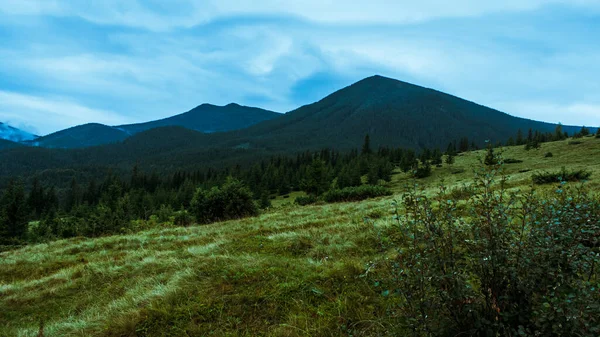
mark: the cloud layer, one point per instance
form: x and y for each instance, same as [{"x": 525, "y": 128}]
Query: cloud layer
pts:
[{"x": 65, "y": 63}]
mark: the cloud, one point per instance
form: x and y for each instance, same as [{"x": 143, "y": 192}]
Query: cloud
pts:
[
  {"x": 159, "y": 16},
  {"x": 142, "y": 61},
  {"x": 56, "y": 113}
]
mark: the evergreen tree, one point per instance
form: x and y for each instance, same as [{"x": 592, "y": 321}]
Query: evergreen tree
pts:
[
  {"x": 316, "y": 181},
  {"x": 366, "y": 148},
  {"x": 490, "y": 157},
  {"x": 520, "y": 140},
  {"x": 13, "y": 212},
  {"x": 584, "y": 131},
  {"x": 559, "y": 133},
  {"x": 598, "y": 133}
]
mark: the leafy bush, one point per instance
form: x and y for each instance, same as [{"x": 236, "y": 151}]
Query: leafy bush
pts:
[
  {"x": 306, "y": 200},
  {"x": 233, "y": 200},
  {"x": 507, "y": 265},
  {"x": 562, "y": 175},
  {"x": 512, "y": 161},
  {"x": 548, "y": 155},
  {"x": 183, "y": 218},
  {"x": 356, "y": 193},
  {"x": 575, "y": 142},
  {"x": 422, "y": 171}
]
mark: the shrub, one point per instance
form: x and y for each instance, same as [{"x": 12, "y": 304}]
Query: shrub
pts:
[
  {"x": 233, "y": 200},
  {"x": 306, "y": 200},
  {"x": 548, "y": 155},
  {"x": 422, "y": 171},
  {"x": 355, "y": 193},
  {"x": 575, "y": 142},
  {"x": 512, "y": 161},
  {"x": 562, "y": 175},
  {"x": 183, "y": 218},
  {"x": 507, "y": 265}
]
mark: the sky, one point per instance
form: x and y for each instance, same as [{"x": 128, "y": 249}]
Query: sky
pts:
[{"x": 69, "y": 62}]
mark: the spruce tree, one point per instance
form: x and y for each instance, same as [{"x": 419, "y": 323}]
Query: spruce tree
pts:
[
  {"x": 490, "y": 157},
  {"x": 13, "y": 212},
  {"x": 366, "y": 148}
]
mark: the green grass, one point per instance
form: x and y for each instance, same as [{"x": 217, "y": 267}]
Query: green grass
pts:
[{"x": 292, "y": 271}]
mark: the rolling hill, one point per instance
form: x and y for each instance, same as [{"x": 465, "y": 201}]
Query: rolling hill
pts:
[
  {"x": 208, "y": 118},
  {"x": 205, "y": 118}
]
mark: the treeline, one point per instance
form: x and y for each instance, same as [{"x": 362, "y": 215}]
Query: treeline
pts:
[{"x": 117, "y": 204}]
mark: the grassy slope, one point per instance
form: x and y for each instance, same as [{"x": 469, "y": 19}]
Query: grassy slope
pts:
[{"x": 291, "y": 271}]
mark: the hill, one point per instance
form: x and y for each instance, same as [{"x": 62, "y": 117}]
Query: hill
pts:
[
  {"x": 208, "y": 118},
  {"x": 12, "y": 134},
  {"x": 393, "y": 113},
  {"x": 292, "y": 271},
  {"x": 86, "y": 135},
  {"x": 205, "y": 118}
]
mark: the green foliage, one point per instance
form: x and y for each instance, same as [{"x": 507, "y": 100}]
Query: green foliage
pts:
[
  {"x": 422, "y": 171},
  {"x": 504, "y": 265},
  {"x": 548, "y": 155},
  {"x": 490, "y": 157},
  {"x": 233, "y": 200},
  {"x": 560, "y": 176},
  {"x": 13, "y": 213},
  {"x": 306, "y": 200},
  {"x": 355, "y": 193},
  {"x": 316, "y": 181}
]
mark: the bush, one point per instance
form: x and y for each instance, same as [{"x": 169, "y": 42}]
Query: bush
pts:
[
  {"x": 575, "y": 142},
  {"x": 505, "y": 265},
  {"x": 183, "y": 218},
  {"x": 562, "y": 175},
  {"x": 548, "y": 155},
  {"x": 355, "y": 193},
  {"x": 422, "y": 171},
  {"x": 233, "y": 200},
  {"x": 306, "y": 200},
  {"x": 512, "y": 161}
]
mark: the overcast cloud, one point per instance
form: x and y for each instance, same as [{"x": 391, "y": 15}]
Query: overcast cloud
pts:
[{"x": 64, "y": 63}]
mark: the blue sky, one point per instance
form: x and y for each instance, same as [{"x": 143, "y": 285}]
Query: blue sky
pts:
[{"x": 68, "y": 62}]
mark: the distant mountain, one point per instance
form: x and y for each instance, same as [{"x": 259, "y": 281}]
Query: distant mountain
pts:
[
  {"x": 86, "y": 135},
  {"x": 205, "y": 118},
  {"x": 208, "y": 118},
  {"x": 8, "y": 132},
  {"x": 392, "y": 112}
]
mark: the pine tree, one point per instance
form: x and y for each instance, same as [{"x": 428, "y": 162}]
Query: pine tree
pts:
[
  {"x": 520, "y": 140},
  {"x": 598, "y": 133},
  {"x": 13, "y": 212},
  {"x": 366, "y": 148},
  {"x": 584, "y": 131},
  {"x": 490, "y": 157},
  {"x": 559, "y": 133}
]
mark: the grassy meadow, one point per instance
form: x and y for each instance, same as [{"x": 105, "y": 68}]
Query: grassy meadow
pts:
[{"x": 291, "y": 271}]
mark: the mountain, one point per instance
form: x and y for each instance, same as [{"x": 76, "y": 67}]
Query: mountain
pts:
[
  {"x": 7, "y": 132},
  {"x": 205, "y": 118},
  {"x": 86, "y": 135},
  {"x": 392, "y": 112},
  {"x": 208, "y": 118}
]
